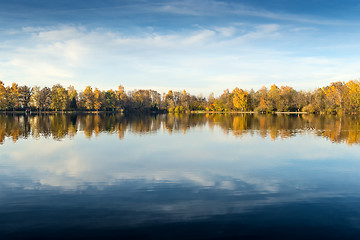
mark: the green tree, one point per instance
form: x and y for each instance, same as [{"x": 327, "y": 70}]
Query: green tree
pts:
[
  {"x": 72, "y": 98},
  {"x": 110, "y": 99},
  {"x": 73, "y": 103}
]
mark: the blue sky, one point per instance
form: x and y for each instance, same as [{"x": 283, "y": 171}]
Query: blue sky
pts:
[{"x": 202, "y": 46}]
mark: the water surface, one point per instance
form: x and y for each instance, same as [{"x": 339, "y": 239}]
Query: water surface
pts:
[{"x": 214, "y": 176}]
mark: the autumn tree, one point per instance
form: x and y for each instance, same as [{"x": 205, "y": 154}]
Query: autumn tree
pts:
[
  {"x": 240, "y": 99},
  {"x": 185, "y": 100},
  {"x": 98, "y": 99},
  {"x": 261, "y": 100},
  {"x": 273, "y": 98},
  {"x": 286, "y": 100},
  {"x": 301, "y": 99},
  {"x": 24, "y": 96},
  {"x": 224, "y": 102},
  {"x": 59, "y": 97},
  {"x": 140, "y": 100},
  {"x": 155, "y": 100},
  {"x": 197, "y": 102},
  {"x": 121, "y": 98},
  {"x": 251, "y": 100},
  {"x": 110, "y": 99},
  {"x": 3, "y": 102},
  {"x": 318, "y": 100},
  {"x": 35, "y": 97},
  {"x": 210, "y": 102},
  {"x": 169, "y": 101},
  {"x": 335, "y": 96},
  {"x": 353, "y": 96},
  {"x": 72, "y": 98},
  {"x": 13, "y": 96},
  {"x": 45, "y": 98},
  {"x": 88, "y": 98},
  {"x": 338, "y": 97}
]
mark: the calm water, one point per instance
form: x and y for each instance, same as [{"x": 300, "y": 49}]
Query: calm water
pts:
[{"x": 179, "y": 177}]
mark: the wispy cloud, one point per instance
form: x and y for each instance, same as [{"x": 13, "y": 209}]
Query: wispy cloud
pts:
[
  {"x": 204, "y": 59},
  {"x": 226, "y": 31},
  {"x": 221, "y": 8}
]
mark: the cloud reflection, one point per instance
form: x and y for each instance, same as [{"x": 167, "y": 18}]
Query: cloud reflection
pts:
[{"x": 223, "y": 164}]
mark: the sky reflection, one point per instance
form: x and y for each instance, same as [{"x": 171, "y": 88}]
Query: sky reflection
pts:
[
  {"x": 200, "y": 157},
  {"x": 159, "y": 177}
]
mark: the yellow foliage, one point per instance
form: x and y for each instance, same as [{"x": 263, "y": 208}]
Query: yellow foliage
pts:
[{"x": 240, "y": 99}]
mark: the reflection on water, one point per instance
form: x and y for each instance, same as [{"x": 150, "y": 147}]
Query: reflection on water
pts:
[
  {"x": 214, "y": 176},
  {"x": 337, "y": 129}
]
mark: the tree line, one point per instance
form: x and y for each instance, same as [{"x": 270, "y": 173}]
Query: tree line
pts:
[{"x": 338, "y": 97}]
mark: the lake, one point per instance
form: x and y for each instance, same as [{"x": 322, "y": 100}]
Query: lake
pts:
[{"x": 178, "y": 176}]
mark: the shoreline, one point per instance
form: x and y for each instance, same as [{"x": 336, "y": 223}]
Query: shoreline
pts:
[
  {"x": 160, "y": 112},
  {"x": 57, "y": 112},
  {"x": 249, "y": 112}
]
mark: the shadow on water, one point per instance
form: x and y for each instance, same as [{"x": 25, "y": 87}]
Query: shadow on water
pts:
[{"x": 344, "y": 129}]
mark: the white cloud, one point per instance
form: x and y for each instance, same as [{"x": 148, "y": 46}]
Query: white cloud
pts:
[
  {"x": 303, "y": 29},
  {"x": 218, "y": 8},
  {"x": 31, "y": 29},
  {"x": 62, "y": 34},
  {"x": 39, "y": 69},
  {"x": 199, "y": 38},
  {"x": 188, "y": 7},
  {"x": 243, "y": 55},
  {"x": 263, "y": 31},
  {"x": 226, "y": 31}
]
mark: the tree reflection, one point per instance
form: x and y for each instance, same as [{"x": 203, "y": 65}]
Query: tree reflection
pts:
[{"x": 339, "y": 129}]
